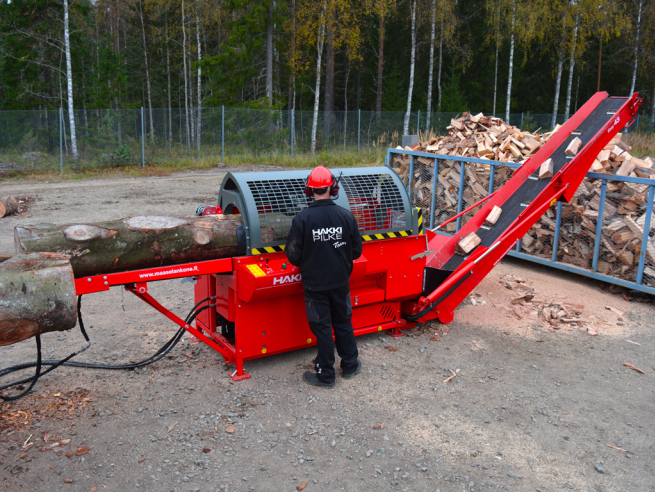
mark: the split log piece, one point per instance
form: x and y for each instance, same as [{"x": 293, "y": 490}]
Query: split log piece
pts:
[
  {"x": 546, "y": 169},
  {"x": 574, "y": 146},
  {"x": 468, "y": 243},
  {"x": 493, "y": 216}
]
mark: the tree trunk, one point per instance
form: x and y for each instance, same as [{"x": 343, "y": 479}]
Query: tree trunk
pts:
[
  {"x": 511, "y": 65},
  {"x": 600, "y": 60},
  {"x": 497, "y": 48},
  {"x": 652, "y": 107},
  {"x": 571, "y": 66},
  {"x": 269, "y": 55},
  {"x": 345, "y": 107},
  {"x": 431, "y": 70},
  {"x": 317, "y": 92},
  {"x": 186, "y": 84},
  {"x": 37, "y": 295},
  {"x": 292, "y": 77},
  {"x": 69, "y": 82},
  {"x": 168, "y": 74},
  {"x": 329, "y": 80},
  {"x": 439, "y": 68},
  {"x": 134, "y": 243},
  {"x": 411, "y": 69},
  {"x": 378, "y": 100},
  {"x": 145, "y": 60},
  {"x": 199, "y": 117},
  {"x": 636, "y": 51},
  {"x": 8, "y": 206},
  {"x": 560, "y": 67}
]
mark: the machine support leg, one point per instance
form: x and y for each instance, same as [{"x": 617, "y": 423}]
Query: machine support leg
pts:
[{"x": 239, "y": 373}]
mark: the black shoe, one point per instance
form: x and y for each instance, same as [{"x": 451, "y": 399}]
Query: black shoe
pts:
[
  {"x": 358, "y": 369},
  {"x": 311, "y": 378}
]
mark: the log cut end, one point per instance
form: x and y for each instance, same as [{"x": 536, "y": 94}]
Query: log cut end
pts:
[{"x": 37, "y": 295}]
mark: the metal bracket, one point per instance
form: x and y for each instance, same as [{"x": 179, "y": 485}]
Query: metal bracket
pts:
[{"x": 422, "y": 255}]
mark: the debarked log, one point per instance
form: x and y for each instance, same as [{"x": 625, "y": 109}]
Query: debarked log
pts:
[
  {"x": 37, "y": 295},
  {"x": 133, "y": 243}
]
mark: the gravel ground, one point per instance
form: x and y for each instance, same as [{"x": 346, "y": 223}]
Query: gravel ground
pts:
[{"x": 530, "y": 408}]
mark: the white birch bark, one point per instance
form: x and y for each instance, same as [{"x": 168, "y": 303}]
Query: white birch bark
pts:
[
  {"x": 317, "y": 92},
  {"x": 269, "y": 56},
  {"x": 439, "y": 68},
  {"x": 186, "y": 83},
  {"x": 636, "y": 51},
  {"x": 199, "y": 117},
  {"x": 411, "y": 69},
  {"x": 511, "y": 64},
  {"x": 497, "y": 48},
  {"x": 560, "y": 66},
  {"x": 69, "y": 82},
  {"x": 571, "y": 67},
  {"x": 431, "y": 72},
  {"x": 145, "y": 60}
]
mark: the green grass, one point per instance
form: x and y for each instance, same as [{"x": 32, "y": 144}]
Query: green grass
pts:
[
  {"x": 643, "y": 144},
  {"x": 169, "y": 166}
]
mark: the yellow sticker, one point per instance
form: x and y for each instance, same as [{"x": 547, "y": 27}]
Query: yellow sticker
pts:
[
  {"x": 379, "y": 328},
  {"x": 309, "y": 340},
  {"x": 263, "y": 351},
  {"x": 256, "y": 270}
]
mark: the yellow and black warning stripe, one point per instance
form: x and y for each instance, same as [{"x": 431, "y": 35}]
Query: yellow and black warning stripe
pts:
[
  {"x": 386, "y": 235},
  {"x": 421, "y": 229},
  {"x": 268, "y": 249},
  {"x": 366, "y": 238}
]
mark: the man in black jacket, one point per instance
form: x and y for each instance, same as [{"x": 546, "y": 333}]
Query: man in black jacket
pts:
[{"x": 323, "y": 241}]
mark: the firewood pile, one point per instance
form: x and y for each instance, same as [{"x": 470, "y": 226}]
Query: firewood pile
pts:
[{"x": 485, "y": 137}]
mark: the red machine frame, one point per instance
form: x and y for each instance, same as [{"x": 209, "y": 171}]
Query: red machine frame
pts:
[{"x": 262, "y": 296}]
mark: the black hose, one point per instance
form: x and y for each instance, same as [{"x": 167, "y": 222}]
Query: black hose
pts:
[{"x": 162, "y": 352}]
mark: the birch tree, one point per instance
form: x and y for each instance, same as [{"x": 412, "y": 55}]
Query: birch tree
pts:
[
  {"x": 317, "y": 91},
  {"x": 413, "y": 7},
  {"x": 186, "y": 82},
  {"x": 199, "y": 112},
  {"x": 571, "y": 66},
  {"x": 145, "y": 61},
  {"x": 635, "y": 50},
  {"x": 269, "y": 54},
  {"x": 511, "y": 63},
  {"x": 560, "y": 64},
  {"x": 442, "y": 13},
  {"x": 69, "y": 82}
]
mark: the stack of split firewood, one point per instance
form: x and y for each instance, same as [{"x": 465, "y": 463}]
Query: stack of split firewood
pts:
[{"x": 490, "y": 138}]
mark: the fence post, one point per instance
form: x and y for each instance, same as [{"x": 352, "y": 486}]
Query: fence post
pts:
[
  {"x": 61, "y": 143},
  {"x": 359, "y": 122},
  {"x": 293, "y": 121},
  {"x": 521, "y": 125},
  {"x": 223, "y": 134},
  {"x": 418, "y": 124},
  {"x": 143, "y": 142}
]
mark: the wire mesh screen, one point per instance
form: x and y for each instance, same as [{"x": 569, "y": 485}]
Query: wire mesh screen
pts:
[
  {"x": 376, "y": 202},
  {"x": 278, "y": 201}
]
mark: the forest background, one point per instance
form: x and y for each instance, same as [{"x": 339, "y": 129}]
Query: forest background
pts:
[{"x": 327, "y": 56}]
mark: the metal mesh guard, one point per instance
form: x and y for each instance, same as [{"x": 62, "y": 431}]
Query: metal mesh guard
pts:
[
  {"x": 374, "y": 200},
  {"x": 278, "y": 201}
]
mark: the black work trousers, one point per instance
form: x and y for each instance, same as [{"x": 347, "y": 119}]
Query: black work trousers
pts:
[{"x": 329, "y": 310}]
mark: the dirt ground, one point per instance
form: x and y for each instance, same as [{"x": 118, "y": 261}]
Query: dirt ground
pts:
[{"x": 531, "y": 407}]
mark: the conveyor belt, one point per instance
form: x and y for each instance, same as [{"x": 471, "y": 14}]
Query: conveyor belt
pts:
[{"x": 531, "y": 188}]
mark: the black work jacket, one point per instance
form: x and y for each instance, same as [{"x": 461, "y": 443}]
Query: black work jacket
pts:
[{"x": 323, "y": 241}]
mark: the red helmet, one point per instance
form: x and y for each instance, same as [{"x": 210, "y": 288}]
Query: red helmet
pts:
[{"x": 321, "y": 177}]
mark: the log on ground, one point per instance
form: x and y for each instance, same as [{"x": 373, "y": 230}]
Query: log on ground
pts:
[
  {"x": 8, "y": 206},
  {"x": 133, "y": 243},
  {"x": 37, "y": 295}
]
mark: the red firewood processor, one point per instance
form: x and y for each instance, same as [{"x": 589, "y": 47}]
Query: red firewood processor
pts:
[{"x": 251, "y": 305}]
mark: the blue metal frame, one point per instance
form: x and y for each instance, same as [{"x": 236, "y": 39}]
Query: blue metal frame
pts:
[{"x": 636, "y": 285}]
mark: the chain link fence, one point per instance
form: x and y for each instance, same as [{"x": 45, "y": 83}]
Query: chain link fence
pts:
[{"x": 43, "y": 140}]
